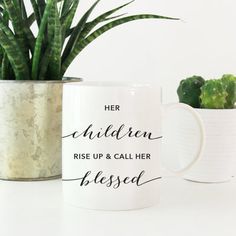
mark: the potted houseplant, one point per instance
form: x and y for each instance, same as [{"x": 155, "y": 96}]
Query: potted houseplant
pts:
[
  {"x": 32, "y": 69},
  {"x": 214, "y": 100}
]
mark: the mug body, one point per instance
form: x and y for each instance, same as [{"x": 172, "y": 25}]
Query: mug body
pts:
[{"x": 111, "y": 145}]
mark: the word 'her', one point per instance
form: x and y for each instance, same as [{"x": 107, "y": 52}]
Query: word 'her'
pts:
[{"x": 112, "y": 108}]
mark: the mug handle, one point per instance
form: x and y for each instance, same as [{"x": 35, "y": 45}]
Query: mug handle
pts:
[{"x": 197, "y": 157}]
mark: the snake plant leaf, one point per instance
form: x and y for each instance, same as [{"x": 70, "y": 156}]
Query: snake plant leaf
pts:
[
  {"x": 30, "y": 20},
  {"x": 15, "y": 16},
  {"x": 51, "y": 23},
  {"x": 1, "y": 54},
  {"x": 67, "y": 4},
  {"x": 83, "y": 33},
  {"x": 5, "y": 69},
  {"x": 30, "y": 37},
  {"x": 36, "y": 11},
  {"x": 115, "y": 17},
  {"x": 85, "y": 42},
  {"x": 77, "y": 31},
  {"x": 14, "y": 55},
  {"x": 39, "y": 41},
  {"x": 48, "y": 55},
  {"x": 8, "y": 36},
  {"x": 104, "y": 17},
  {"x": 45, "y": 62},
  {"x": 55, "y": 57},
  {"x": 5, "y": 18},
  {"x": 67, "y": 21},
  {"x": 23, "y": 9},
  {"x": 41, "y": 7},
  {"x": 26, "y": 23}
]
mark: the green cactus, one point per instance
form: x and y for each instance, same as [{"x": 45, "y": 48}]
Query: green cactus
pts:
[
  {"x": 189, "y": 91},
  {"x": 229, "y": 82},
  {"x": 213, "y": 95}
]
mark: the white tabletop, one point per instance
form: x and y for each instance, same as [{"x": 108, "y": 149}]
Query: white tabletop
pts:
[{"x": 186, "y": 209}]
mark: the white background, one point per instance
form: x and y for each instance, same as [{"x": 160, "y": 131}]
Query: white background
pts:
[{"x": 203, "y": 42}]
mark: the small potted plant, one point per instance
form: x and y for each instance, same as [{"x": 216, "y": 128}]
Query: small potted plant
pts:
[
  {"x": 32, "y": 69},
  {"x": 214, "y": 100}
]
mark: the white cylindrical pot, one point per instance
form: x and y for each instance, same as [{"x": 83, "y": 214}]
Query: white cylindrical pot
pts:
[
  {"x": 30, "y": 129},
  {"x": 219, "y": 155}
]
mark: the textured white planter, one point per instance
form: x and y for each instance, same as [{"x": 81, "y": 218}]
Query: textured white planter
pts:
[
  {"x": 30, "y": 129},
  {"x": 219, "y": 155}
]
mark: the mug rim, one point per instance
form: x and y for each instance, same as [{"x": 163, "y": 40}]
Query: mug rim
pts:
[{"x": 114, "y": 84}]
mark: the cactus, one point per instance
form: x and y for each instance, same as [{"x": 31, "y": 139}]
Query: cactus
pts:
[
  {"x": 229, "y": 82},
  {"x": 213, "y": 95},
  {"x": 189, "y": 91}
]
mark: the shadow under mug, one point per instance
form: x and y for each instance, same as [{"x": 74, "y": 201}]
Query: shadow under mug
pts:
[{"x": 111, "y": 145}]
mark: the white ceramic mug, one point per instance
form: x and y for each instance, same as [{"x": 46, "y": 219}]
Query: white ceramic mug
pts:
[{"x": 112, "y": 135}]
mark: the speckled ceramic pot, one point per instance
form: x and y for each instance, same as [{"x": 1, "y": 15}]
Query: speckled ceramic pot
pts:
[{"x": 31, "y": 129}]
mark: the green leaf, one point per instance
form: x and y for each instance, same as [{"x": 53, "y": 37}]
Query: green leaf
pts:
[
  {"x": 67, "y": 4},
  {"x": 26, "y": 23},
  {"x": 51, "y": 23},
  {"x": 104, "y": 17},
  {"x": 36, "y": 11},
  {"x": 30, "y": 19},
  {"x": 53, "y": 50},
  {"x": 15, "y": 16},
  {"x": 85, "y": 32},
  {"x": 5, "y": 68},
  {"x": 68, "y": 18},
  {"x": 30, "y": 39},
  {"x": 23, "y": 10},
  {"x": 14, "y": 54},
  {"x": 77, "y": 31},
  {"x": 41, "y": 7},
  {"x": 39, "y": 41},
  {"x": 45, "y": 62},
  {"x": 85, "y": 42},
  {"x": 5, "y": 17},
  {"x": 1, "y": 55},
  {"x": 55, "y": 57}
]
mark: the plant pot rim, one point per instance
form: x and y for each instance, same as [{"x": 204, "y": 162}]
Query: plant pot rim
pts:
[
  {"x": 64, "y": 80},
  {"x": 214, "y": 110}
]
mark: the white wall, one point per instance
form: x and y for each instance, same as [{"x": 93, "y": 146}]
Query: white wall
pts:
[{"x": 166, "y": 51}]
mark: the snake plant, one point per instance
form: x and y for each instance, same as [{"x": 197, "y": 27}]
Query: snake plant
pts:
[{"x": 47, "y": 55}]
